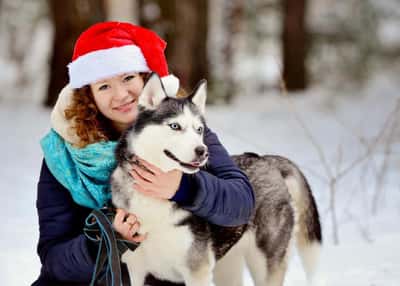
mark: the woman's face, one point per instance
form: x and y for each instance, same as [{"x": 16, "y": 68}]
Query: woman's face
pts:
[{"x": 116, "y": 98}]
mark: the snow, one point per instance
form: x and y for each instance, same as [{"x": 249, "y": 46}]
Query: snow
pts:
[{"x": 368, "y": 252}]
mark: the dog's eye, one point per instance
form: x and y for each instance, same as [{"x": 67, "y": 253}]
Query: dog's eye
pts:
[
  {"x": 200, "y": 130},
  {"x": 175, "y": 126}
]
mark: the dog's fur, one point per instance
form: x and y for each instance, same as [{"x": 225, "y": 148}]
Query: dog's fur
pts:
[{"x": 181, "y": 247}]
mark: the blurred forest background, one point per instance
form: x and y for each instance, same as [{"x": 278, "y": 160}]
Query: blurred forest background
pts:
[{"x": 241, "y": 47}]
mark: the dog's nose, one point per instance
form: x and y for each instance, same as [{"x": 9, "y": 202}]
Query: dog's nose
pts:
[{"x": 200, "y": 151}]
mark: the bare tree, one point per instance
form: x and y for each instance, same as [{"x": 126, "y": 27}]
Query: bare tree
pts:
[
  {"x": 294, "y": 40},
  {"x": 70, "y": 18},
  {"x": 333, "y": 175},
  {"x": 387, "y": 152}
]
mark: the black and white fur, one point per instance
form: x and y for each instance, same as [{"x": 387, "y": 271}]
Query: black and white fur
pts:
[{"x": 181, "y": 247}]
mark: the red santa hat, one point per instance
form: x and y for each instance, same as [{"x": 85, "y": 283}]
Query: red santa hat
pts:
[{"x": 111, "y": 48}]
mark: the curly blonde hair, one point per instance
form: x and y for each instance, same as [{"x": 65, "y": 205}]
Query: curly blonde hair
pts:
[{"x": 89, "y": 123}]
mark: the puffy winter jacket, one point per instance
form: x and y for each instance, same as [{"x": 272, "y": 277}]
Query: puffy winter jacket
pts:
[{"x": 222, "y": 195}]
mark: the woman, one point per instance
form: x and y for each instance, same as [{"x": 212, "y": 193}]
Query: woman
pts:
[{"x": 110, "y": 64}]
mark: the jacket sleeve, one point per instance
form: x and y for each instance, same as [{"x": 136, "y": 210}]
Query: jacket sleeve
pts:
[
  {"x": 221, "y": 193},
  {"x": 63, "y": 250}
]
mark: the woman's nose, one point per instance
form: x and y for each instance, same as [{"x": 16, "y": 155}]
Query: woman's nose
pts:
[{"x": 120, "y": 91}]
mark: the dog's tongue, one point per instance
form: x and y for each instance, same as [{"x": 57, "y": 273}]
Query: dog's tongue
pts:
[{"x": 195, "y": 163}]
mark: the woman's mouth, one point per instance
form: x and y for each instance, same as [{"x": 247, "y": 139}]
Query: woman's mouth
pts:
[{"x": 126, "y": 107}]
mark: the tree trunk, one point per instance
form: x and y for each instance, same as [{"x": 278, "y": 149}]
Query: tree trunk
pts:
[
  {"x": 234, "y": 23},
  {"x": 70, "y": 18},
  {"x": 183, "y": 24},
  {"x": 189, "y": 54},
  {"x": 294, "y": 40},
  {"x": 122, "y": 10}
]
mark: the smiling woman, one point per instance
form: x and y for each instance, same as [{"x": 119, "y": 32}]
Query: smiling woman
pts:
[
  {"x": 103, "y": 109},
  {"x": 110, "y": 64},
  {"x": 116, "y": 97}
]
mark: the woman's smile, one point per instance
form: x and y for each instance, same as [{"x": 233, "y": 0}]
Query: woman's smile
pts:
[{"x": 126, "y": 107}]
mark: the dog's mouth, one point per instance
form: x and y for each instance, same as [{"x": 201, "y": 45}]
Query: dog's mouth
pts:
[{"x": 191, "y": 165}]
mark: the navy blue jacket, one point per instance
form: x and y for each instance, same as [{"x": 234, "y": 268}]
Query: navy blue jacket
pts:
[{"x": 222, "y": 195}]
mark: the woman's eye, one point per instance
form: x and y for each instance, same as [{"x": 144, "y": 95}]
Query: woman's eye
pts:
[
  {"x": 104, "y": 87},
  {"x": 129, "y": 77},
  {"x": 175, "y": 126}
]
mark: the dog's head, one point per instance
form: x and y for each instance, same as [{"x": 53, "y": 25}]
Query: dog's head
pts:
[{"x": 169, "y": 131}]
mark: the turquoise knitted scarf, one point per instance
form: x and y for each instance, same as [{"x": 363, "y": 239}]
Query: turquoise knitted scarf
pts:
[{"x": 85, "y": 172}]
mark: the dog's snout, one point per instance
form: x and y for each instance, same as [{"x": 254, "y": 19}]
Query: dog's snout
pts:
[{"x": 200, "y": 151}]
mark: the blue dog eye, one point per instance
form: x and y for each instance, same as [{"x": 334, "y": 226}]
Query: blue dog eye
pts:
[{"x": 175, "y": 126}]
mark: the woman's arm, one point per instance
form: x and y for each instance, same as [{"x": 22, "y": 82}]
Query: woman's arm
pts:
[
  {"x": 66, "y": 254},
  {"x": 222, "y": 194}
]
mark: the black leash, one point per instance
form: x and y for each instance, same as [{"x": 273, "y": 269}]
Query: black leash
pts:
[{"x": 98, "y": 228}]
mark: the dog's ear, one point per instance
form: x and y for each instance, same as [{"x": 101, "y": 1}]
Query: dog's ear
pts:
[
  {"x": 153, "y": 93},
  {"x": 199, "y": 95}
]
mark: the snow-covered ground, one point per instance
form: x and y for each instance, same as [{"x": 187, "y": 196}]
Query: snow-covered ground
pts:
[{"x": 369, "y": 251}]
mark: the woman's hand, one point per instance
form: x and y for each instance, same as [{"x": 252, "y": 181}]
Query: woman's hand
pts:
[
  {"x": 154, "y": 182},
  {"x": 127, "y": 225}
]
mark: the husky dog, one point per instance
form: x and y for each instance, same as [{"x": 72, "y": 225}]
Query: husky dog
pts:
[{"x": 181, "y": 247}]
